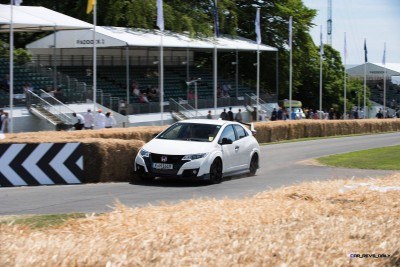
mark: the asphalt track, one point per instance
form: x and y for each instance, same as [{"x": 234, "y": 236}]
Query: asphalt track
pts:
[{"x": 281, "y": 165}]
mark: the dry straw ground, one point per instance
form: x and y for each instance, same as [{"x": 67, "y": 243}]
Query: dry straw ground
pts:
[{"x": 312, "y": 224}]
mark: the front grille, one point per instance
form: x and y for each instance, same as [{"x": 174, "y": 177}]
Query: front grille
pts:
[{"x": 170, "y": 158}]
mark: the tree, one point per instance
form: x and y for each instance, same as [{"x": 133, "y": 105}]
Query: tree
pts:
[{"x": 236, "y": 18}]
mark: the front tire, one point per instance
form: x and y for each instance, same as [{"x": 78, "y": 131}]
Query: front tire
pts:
[
  {"x": 216, "y": 171},
  {"x": 253, "y": 165}
]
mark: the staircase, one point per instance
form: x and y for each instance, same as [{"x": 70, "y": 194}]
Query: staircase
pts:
[
  {"x": 182, "y": 110},
  {"x": 48, "y": 108}
]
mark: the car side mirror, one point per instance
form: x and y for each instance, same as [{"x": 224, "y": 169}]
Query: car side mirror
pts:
[{"x": 226, "y": 141}]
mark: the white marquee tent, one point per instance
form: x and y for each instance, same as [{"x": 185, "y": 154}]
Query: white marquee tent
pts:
[
  {"x": 122, "y": 37},
  {"x": 28, "y": 19},
  {"x": 36, "y": 18}
]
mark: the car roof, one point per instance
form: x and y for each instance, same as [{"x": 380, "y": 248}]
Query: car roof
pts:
[{"x": 206, "y": 121}]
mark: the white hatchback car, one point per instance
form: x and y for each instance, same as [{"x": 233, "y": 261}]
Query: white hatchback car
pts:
[{"x": 199, "y": 149}]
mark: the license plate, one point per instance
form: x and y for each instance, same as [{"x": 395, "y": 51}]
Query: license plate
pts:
[{"x": 162, "y": 166}]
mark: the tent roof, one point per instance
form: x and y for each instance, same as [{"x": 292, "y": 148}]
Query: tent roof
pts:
[
  {"x": 36, "y": 18},
  {"x": 393, "y": 69},
  {"x": 117, "y": 36}
]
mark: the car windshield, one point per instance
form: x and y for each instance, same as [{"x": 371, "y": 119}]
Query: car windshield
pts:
[{"x": 191, "y": 132}]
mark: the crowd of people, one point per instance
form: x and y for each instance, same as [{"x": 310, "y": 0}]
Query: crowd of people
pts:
[
  {"x": 150, "y": 94},
  {"x": 90, "y": 121}
]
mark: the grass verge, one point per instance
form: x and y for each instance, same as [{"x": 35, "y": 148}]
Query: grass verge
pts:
[
  {"x": 40, "y": 221},
  {"x": 385, "y": 158}
]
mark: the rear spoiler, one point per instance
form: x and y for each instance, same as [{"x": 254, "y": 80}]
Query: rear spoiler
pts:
[{"x": 251, "y": 126}]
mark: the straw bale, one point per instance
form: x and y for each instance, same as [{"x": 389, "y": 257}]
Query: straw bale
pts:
[
  {"x": 296, "y": 130},
  {"x": 109, "y": 160},
  {"x": 311, "y": 224},
  {"x": 140, "y": 133}
]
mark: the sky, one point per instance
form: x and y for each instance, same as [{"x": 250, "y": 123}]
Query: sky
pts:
[{"x": 376, "y": 20}]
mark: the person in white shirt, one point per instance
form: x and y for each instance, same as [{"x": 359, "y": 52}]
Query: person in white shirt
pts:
[
  {"x": 5, "y": 123},
  {"x": 80, "y": 121},
  {"x": 110, "y": 121},
  {"x": 89, "y": 120},
  {"x": 99, "y": 120}
]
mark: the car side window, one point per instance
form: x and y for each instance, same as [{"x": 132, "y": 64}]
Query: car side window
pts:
[
  {"x": 241, "y": 133},
  {"x": 228, "y": 133}
]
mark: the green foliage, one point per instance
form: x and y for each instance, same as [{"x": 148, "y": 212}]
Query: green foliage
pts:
[
  {"x": 236, "y": 18},
  {"x": 21, "y": 56}
]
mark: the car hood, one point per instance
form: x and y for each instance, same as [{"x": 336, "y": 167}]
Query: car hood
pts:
[{"x": 175, "y": 147}]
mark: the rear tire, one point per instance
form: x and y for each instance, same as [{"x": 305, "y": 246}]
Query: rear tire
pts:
[
  {"x": 216, "y": 171},
  {"x": 253, "y": 165}
]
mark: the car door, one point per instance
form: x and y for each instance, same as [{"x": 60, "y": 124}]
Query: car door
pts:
[
  {"x": 242, "y": 147},
  {"x": 229, "y": 151}
]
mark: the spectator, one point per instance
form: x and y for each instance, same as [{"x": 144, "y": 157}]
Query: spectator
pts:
[
  {"x": 89, "y": 120},
  {"x": 1, "y": 117},
  {"x": 293, "y": 115},
  {"x": 279, "y": 114},
  {"x": 99, "y": 120},
  {"x": 110, "y": 121},
  {"x": 331, "y": 114},
  {"x": 88, "y": 72},
  {"x": 209, "y": 116},
  {"x": 224, "y": 115},
  {"x": 135, "y": 88},
  {"x": 143, "y": 98},
  {"x": 379, "y": 115},
  {"x": 230, "y": 114},
  {"x": 81, "y": 121},
  {"x": 238, "y": 116},
  {"x": 274, "y": 115},
  {"x": 5, "y": 123}
]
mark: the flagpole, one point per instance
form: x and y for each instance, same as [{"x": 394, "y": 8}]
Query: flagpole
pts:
[
  {"x": 345, "y": 85},
  {"x": 258, "y": 32},
  {"x": 215, "y": 56},
  {"x": 160, "y": 24},
  {"x": 94, "y": 56},
  {"x": 11, "y": 88},
  {"x": 320, "y": 72},
  {"x": 365, "y": 80},
  {"x": 162, "y": 77},
  {"x": 290, "y": 67},
  {"x": 384, "y": 82}
]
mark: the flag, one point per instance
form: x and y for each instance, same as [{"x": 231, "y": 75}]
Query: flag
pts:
[
  {"x": 290, "y": 32},
  {"x": 384, "y": 54},
  {"x": 17, "y": 2},
  {"x": 90, "y": 5},
  {"x": 160, "y": 15},
  {"x": 257, "y": 23},
  {"x": 216, "y": 20},
  {"x": 365, "y": 50},
  {"x": 321, "y": 48}
]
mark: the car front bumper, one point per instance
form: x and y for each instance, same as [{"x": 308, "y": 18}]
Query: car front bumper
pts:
[{"x": 195, "y": 169}]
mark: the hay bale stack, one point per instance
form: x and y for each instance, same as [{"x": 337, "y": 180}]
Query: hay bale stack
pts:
[
  {"x": 139, "y": 133},
  {"x": 287, "y": 130},
  {"x": 109, "y": 160}
]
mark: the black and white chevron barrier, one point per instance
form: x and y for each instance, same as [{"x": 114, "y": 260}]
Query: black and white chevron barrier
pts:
[{"x": 41, "y": 164}]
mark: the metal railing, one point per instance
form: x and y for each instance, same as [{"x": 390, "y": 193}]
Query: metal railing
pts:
[
  {"x": 186, "y": 104},
  {"x": 177, "y": 107},
  {"x": 58, "y": 110},
  {"x": 251, "y": 100}
]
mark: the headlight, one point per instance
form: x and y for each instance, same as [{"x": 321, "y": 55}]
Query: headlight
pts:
[
  {"x": 144, "y": 153},
  {"x": 194, "y": 156}
]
